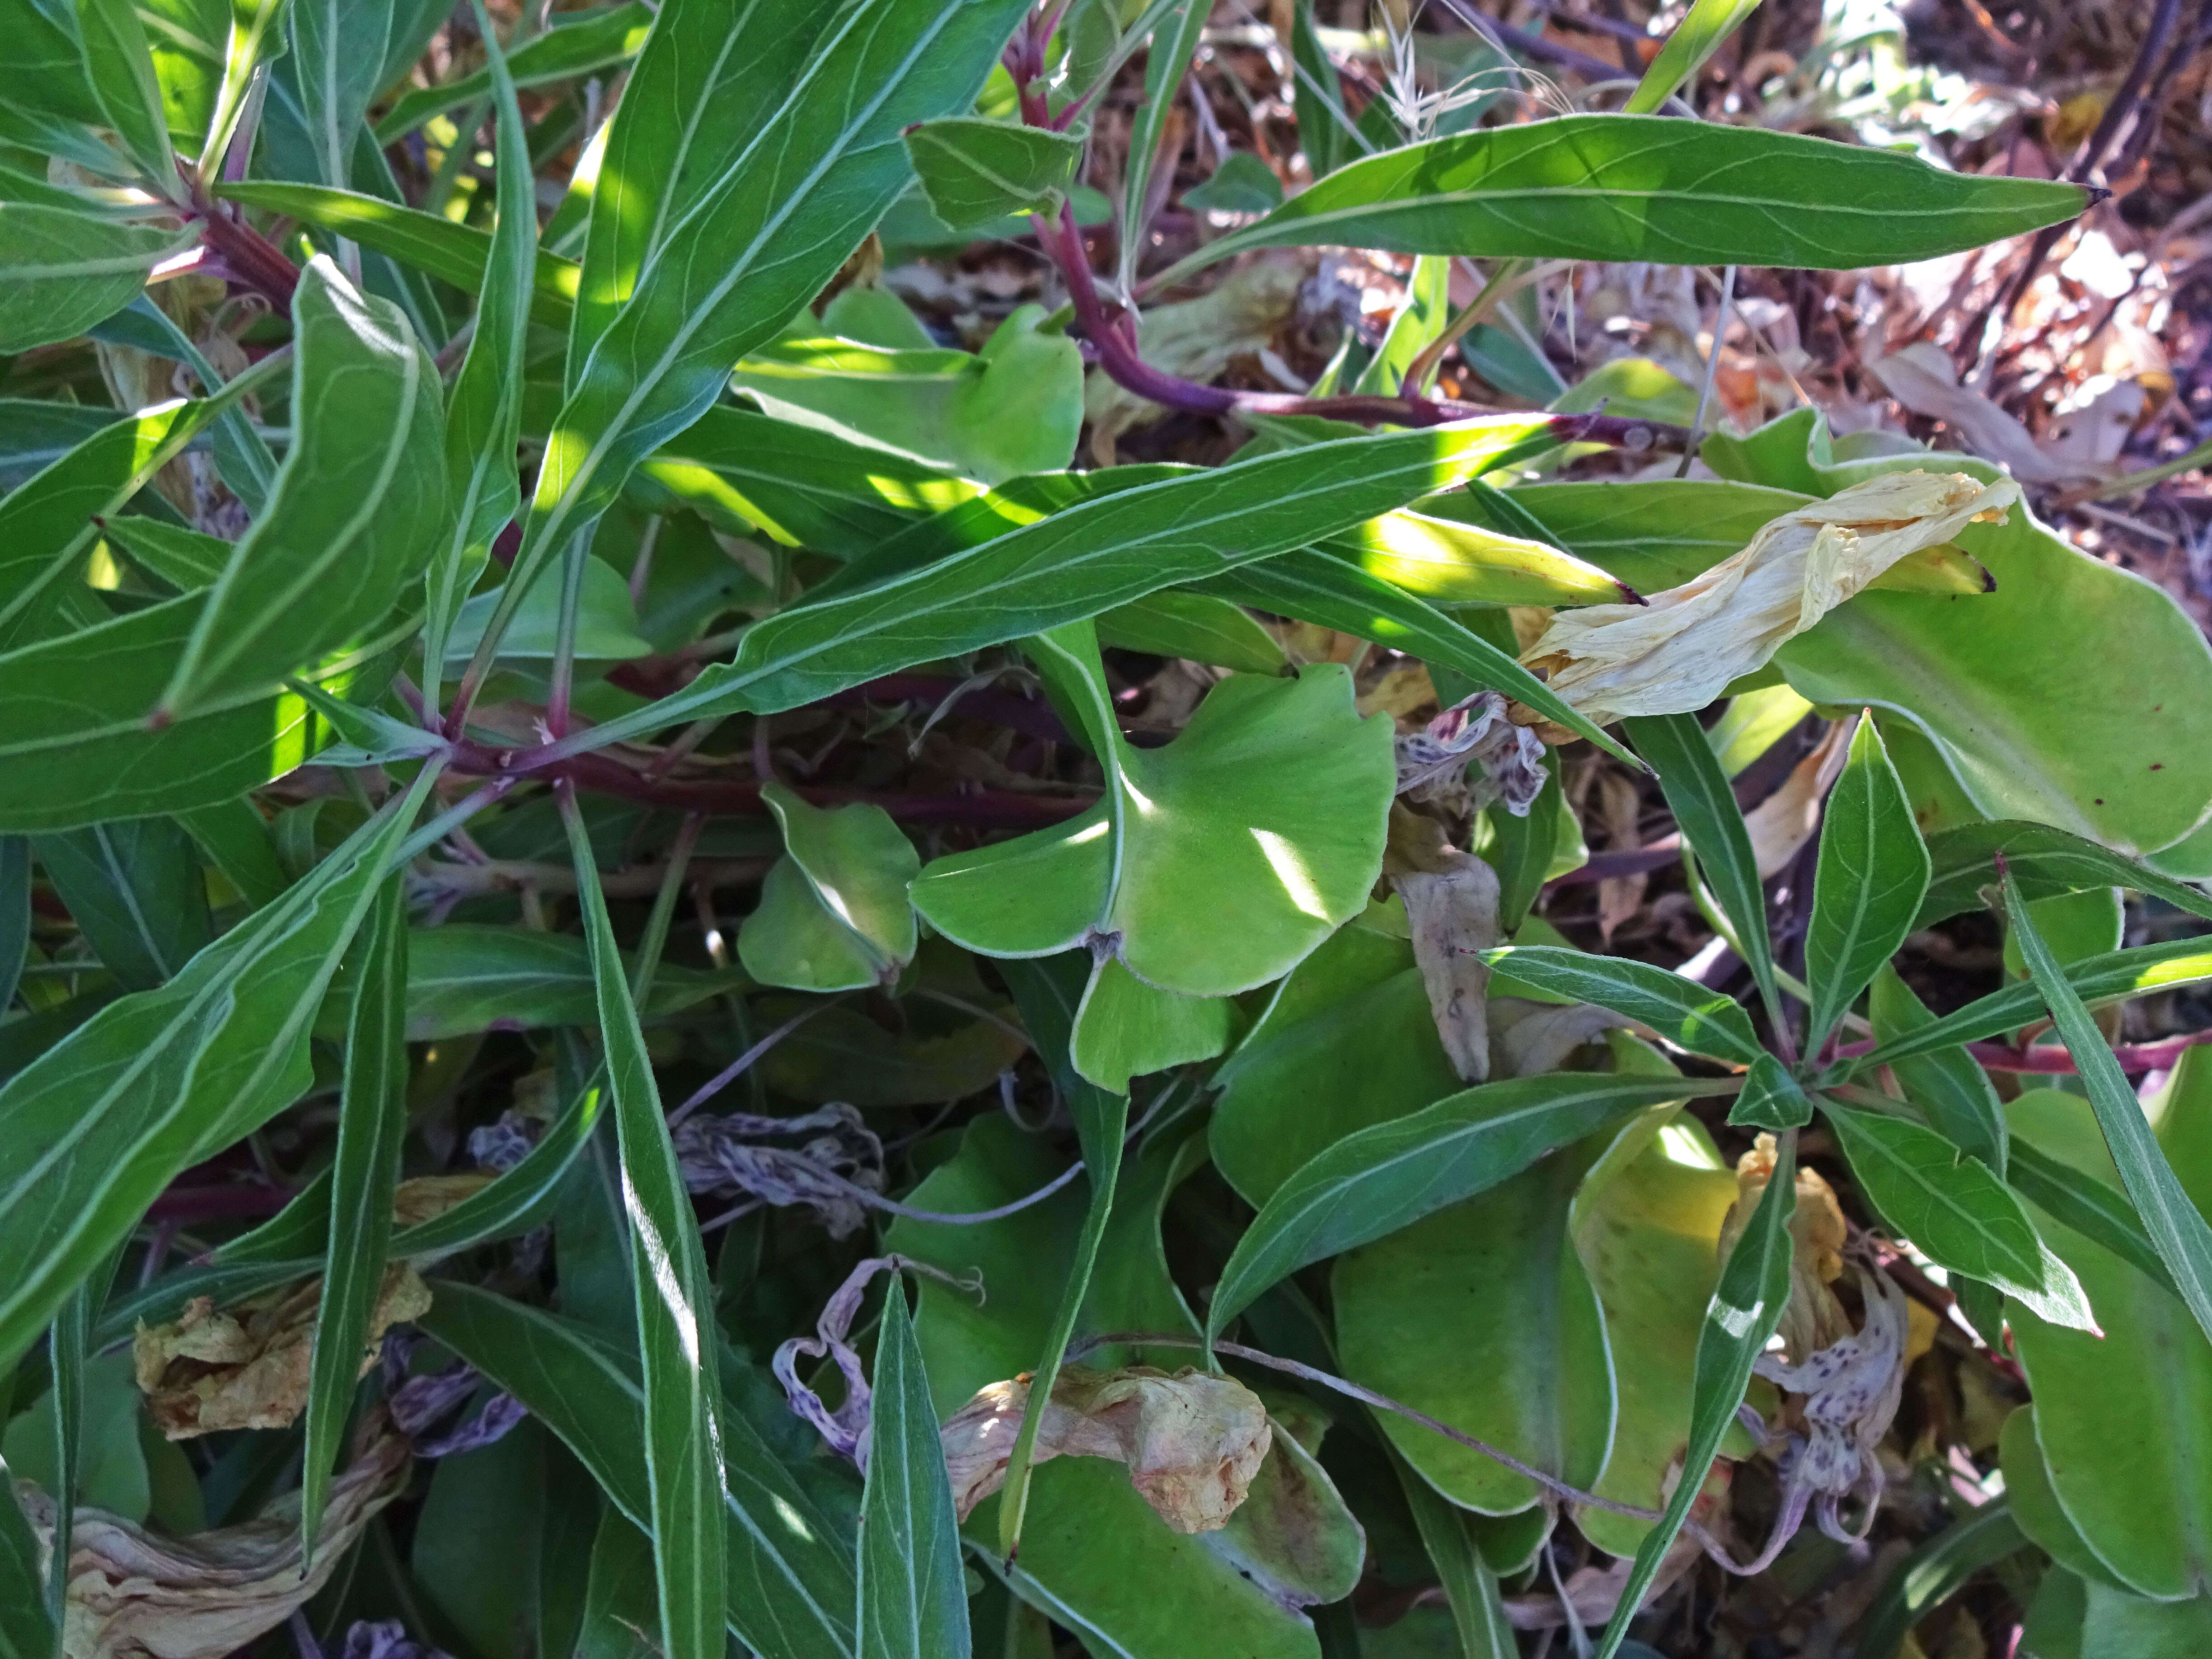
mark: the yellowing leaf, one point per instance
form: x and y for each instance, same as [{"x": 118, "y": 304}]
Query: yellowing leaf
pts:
[
  {"x": 1192, "y": 1442},
  {"x": 1679, "y": 652}
]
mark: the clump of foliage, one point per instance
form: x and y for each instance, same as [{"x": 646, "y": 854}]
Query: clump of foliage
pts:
[{"x": 589, "y": 800}]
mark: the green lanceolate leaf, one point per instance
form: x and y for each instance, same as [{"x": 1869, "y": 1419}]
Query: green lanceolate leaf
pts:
[
  {"x": 833, "y": 914},
  {"x": 2177, "y": 1230},
  {"x": 674, "y": 1304},
  {"x": 135, "y": 892},
  {"x": 789, "y": 1580},
  {"x": 574, "y": 44},
  {"x": 252, "y": 41},
  {"x": 2136, "y": 971},
  {"x": 913, "y": 1603},
  {"x": 95, "y": 1128},
  {"x": 1698, "y": 793},
  {"x": 1194, "y": 626},
  {"x": 467, "y": 976},
  {"x": 1470, "y": 1586},
  {"x": 1444, "y": 560},
  {"x": 1695, "y": 39},
  {"x": 484, "y": 417},
  {"x": 1174, "y": 41},
  {"x": 1617, "y": 187},
  {"x": 1947, "y": 1085},
  {"x": 1681, "y": 1010},
  {"x": 120, "y": 67},
  {"x": 1873, "y": 871},
  {"x": 338, "y": 58},
  {"x": 1771, "y": 1098},
  {"x": 1100, "y": 553},
  {"x": 356, "y": 508},
  {"x": 1960, "y": 1215},
  {"x": 1271, "y": 806},
  {"x": 14, "y": 914},
  {"x": 1373, "y": 1182},
  {"x": 61, "y": 272},
  {"x": 27, "y": 1629},
  {"x": 2093, "y": 1208},
  {"x": 974, "y": 171},
  {"x": 2045, "y": 861},
  {"x": 372, "y": 1124},
  {"x": 1746, "y": 1306},
  {"x": 1935, "y": 1572},
  {"x": 756, "y": 241}
]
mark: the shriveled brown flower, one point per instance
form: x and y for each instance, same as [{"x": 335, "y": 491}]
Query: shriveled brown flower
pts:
[
  {"x": 1814, "y": 1317},
  {"x": 1677, "y": 653},
  {"x": 1193, "y": 1440},
  {"x": 132, "y": 1595},
  {"x": 247, "y": 1367}
]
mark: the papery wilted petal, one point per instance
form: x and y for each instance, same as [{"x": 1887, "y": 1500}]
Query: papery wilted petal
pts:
[{"x": 1677, "y": 653}]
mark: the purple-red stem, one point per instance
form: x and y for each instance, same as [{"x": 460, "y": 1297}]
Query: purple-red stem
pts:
[{"x": 2047, "y": 1060}]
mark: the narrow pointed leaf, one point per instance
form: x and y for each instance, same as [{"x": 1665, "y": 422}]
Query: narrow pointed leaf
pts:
[
  {"x": 1695, "y": 39},
  {"x": 1960, "y": 1216},
  {"x": 358, "y": 505},
  {"x": 2177, "y": 1230},
  {"x": 120, "y": 67},
  {"x": 337, "y": 61},
  {"x": 1623, "y": 187},
  {"x": 372, "y": 1124},
  {"x": 2092, "y": 1207},
  {"x": 1866, "y": 890},
  {"x": 1947, "y": 1085},
  {"x": 1174, "y": 41},
  {"x": 913, "y": 1602},
  {"x": 1681, "y": 1010},
  {"x": 1375, "y": 1182},
  {"x": 572, "y": 44},
  {"x": 675, "y": 1304},
  {"x": 137, "y": 894},
  {"x": 2045, "y": 861},
  {"x": 1746, "y": 1306},
  {"x": 1705, "y": 805}
]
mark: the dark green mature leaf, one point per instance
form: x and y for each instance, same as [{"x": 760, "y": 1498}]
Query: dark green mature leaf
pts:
[
  {"x": 61, "y": 272},
  {"x": 1935, "y": 1572},
  {"x": 758, "y": 238},
  {"x": 2092, "y": 1207},
  {"x": 574, "y": 43},
  {"x": 789, "y": 1581},
  {"x": 1383, "y": 1178},
  {"x": 2134, "y": 972},
  {"x": 675, "y": 1302},
  {"x": 95, "y": 1128},
  {"x": 135, "y": 892},
  {"x": 2045, "y": 862},
  {"x": 1174, "y": 41},
  {"x": 1747, "y": 1306},
  {"x": 119, "y": 65},
  {"x": 974, "y": 171},
  {"x": 358, "y": 505},
  {"x": 2177, "y": 1230},
  {"x": 1695, "y": 39},
  {"x": 1962, "y": 1216},
  {"x": 471, "y": 976},
  {"x": 1470, "y": 1586},
  {"x": 1099, "y": 553},
  {"x": 337, "y": 63},
  {"x": 1771, "y": 1098},
  {"x": 1947, "y": 1085},
  {"x": 913, "y": 1603},
  {"x": 1681, "y": 1010},
  {"x": 372, "y": 1124},
  {"x": 1697, "y": 792},
  {"x": 26, "y": 1630},
  {"x": 1873, "y": 870},
  {"x": 484, "y": 417},
  {"x": 1619, "y": 187},
  {"x": 1324, "y": 131},
  {"x": 14, "y": 914}
]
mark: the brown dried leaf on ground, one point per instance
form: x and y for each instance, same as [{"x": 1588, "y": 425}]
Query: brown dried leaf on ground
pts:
[
  {"x": 135, "y": 1595},
  {"x": 1922, "y": 378},
  {"x": 1679, "y": 652},
  {"x": 1193, "y": 1440},
  {"x": 247, "y": 1367}
]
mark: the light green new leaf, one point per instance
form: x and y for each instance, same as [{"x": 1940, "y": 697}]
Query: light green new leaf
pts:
[
  {"x": 833, "y": 914},
  {"x": 574, "y": 43},
  {"x": 913, "y": 1603},
  {"x": 1419, "y": 320},
  {"x": 789, "y": 1579},
  {"x": 1962, "y": 1216},
  {"x": 1705, "y": 805},
  {"x": 1947, "y": 1085},
  {"x": 358, "y": 505},
  {"x": 1866, "y": 890},
  {"x": 2178, "y": 1230},
  {"x": 483, "y": 416},
  {"x": 372, "y": 1124},
  {"x": 247, "y": 49},
  {"x": 1269, "y": 807},
  {"x": 1771, "y": 1098},
  {"x": 98, "y": 1124},
  {"x": 974, "y": 171},
  {"x": 1443, "y": 560},
  {"x": 1681, "y": 1010},
  {"x": 2045, "y": 861},
  {"x": 61, "y": 272},
  {"x": 1194, "y": 626},
  {"x": 1694, "y": 39},
  {"x": 1746, "y": 1306},
  {"x": 1374, "y": 1182},
  {"x": 119, "y": 65},
  {"x": 675, "y": 1302},
  {"x": 1639, "y": 187},
  {"x": 1126, "y": 1028}
]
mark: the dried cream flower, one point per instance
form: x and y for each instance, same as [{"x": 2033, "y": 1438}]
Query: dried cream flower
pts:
[{"x": 1679, "y": 652}]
